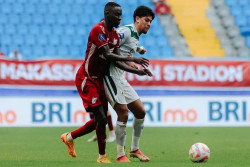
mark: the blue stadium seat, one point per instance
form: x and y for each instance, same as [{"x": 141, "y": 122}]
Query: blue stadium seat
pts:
[
  {"x": 17, "y": 8},
  {"x": 65, "y": 8},
  {"x": 38, "y": 19},
  {"x": 241, "y": 20},
  {"x": 22, "y": 29},
  {"x": 42, "y": 40},
  {"x": 6, "y": 39},
  {"x": 25, "y": 18},
  {"x": 4, "y": 18},
  {"x": 5, "y": 49},
  {"x": 69, "y": 30},
  {"x": 30, "y": 39},
  {"x": 53, "y": 8},
  {"x": 72, "y": 19},
  {"x": 34, "y": 29},
  {"x": 13, "y": 19},
  {"x": 149, "y": 41},
  {"x": 6, "y": 8},
  {"x": 50, "y": 19},
  {"x": 78, "y": 40},
  {"x": 78, "y": 9},
  {"x": 26, "y": 52},
  {"x": 66, "y": 40},
  {"x": 74, "y": 51},
  {"x": 63, "y": 51},
  {"x": 29, "y": 8},
  {"x": 46, "y": 30},
  {"x": 236, "y": 11},
  {"x": 18, "y": 39},
  {"x": 162, "y": 41},
  {"x": 80, "y": 30},
  {"x": 166, "y": 52},
  {"x": 38, "y": 51},
  {"x": 243, "y": 2},
  {"x": 43, "y": 9},
  {"x": 246, "y": 10},
  {"x": 57, "y": 29},
  {"x": 54, "y": 39},
  {"x": 50, "y": 51},
  {"x": 61, "y": 19},
  {"x": 10, "y": 29},
  {"x": 231, "y": 2}
]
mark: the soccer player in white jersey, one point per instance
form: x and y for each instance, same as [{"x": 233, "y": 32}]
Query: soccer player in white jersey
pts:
[{"x": 119, "y": 92}]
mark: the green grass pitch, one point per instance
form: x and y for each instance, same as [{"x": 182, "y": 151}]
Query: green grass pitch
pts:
[{"x": 165, "y": 146}]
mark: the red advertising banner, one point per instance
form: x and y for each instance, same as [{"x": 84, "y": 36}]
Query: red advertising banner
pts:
[{"x": 193, "y": 73}]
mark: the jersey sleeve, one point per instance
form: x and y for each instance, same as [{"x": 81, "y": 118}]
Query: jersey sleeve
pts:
[
  {"x": 124, "y": 34},
  {"x": 98, "y": 37}
]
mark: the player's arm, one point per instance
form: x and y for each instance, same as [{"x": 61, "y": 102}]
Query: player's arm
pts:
[
  {"x": 115, "y": 57},
  {"x": 130, "y": 66},
  {"x": 125, "y": 67}
]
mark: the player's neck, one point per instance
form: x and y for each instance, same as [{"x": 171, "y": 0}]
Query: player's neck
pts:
[
  {"x": 137, "y": 29},
  {"x": 108, "y": 26}
]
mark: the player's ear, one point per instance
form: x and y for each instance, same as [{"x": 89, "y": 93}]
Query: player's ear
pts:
[{"x": 137, "y": 19}]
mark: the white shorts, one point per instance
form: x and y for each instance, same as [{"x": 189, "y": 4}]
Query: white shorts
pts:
[{"x": 118, "y": 90}]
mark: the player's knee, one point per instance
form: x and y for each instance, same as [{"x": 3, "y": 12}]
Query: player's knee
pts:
[
  {"x": 140, "y": 114},
  {"x": 102, "y": 122}
]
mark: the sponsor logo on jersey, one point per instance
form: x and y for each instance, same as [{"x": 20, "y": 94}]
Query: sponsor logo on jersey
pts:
[
  {"x": 115, "y": 42},
  {"x": 101, "y": 37},
  {"x": 121, "y": 35},
  {"x": 94, "y": 99}
]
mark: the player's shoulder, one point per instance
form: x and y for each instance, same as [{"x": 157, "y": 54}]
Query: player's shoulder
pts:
[
  {"x": 98, "y": 27},
  {"x": 125, "y": 28}
]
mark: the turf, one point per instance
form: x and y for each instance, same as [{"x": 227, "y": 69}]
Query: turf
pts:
[{"x": 165, "y": 146}]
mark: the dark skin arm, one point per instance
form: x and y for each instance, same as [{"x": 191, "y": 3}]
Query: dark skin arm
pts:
[
  {"x": 124, "y": 66},
  {"x": 112, "y": 57}
]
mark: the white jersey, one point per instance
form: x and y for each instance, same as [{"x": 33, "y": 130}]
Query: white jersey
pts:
[{"x": 129, "y": 40}]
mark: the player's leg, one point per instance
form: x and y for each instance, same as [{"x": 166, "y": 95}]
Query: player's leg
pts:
[
  {"x": 120, "y": 131},
  {"x": 113, "y": 90},
  {"x": 100, "y": 115},
  {"x": 85, "y": 92},
  {"x": 136, "y": 107},
  {"x": 112, "y": 137},
  {"x": 94, "y": 137}
]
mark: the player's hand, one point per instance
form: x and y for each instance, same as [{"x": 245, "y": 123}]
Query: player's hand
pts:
[
  {"x": 141, "y": 60},
  {"x": 141, "y": 50},
  {"x": 144, "y": 72},
  {"x": 132, "y": 64}
]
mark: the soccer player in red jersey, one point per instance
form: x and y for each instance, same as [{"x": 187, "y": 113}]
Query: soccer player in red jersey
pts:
[{"x": 102, "y": 48}]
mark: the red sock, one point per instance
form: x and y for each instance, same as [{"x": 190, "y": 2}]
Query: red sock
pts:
[
  {"x": 85, "y": 129},
  {"x": 101, "y": 138},
  {"x": 110, "y": 123}
]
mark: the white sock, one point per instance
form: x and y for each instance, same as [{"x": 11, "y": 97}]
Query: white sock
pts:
[
  {"x": 69, "y": 137},
  {"x": 112, "y": 133},
  {"x": 101, "y": 156},
  {"x": 120, "y": 132},
  {"x": 138, "y": 125}
]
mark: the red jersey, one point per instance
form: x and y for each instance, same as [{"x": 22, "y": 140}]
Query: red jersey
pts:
[{"x": 95, "y": 63}]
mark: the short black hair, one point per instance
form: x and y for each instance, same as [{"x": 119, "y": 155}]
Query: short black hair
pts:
[
  {"x": 111, "y": 4},
  {"x": 143, "y": 11}
]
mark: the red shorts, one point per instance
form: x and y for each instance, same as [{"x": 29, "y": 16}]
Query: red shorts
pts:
[{"x": 91, "y": 90}]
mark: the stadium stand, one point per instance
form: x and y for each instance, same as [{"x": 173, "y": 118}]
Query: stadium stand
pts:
[
  {"x": 60, "y": 28},
  {"x": 195, "y": 27},
  {"x": 228, "y": 28}
]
